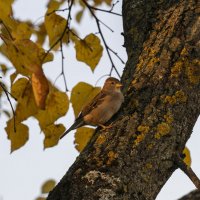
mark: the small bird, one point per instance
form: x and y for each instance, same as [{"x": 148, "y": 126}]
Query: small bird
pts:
[{"x": 102, "y": 107}]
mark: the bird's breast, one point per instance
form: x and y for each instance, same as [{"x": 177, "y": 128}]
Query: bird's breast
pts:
[{"x": 103, "y": 112}]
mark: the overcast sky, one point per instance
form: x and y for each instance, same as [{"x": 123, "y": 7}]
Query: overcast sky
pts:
[{"x": 23, "y": 172}]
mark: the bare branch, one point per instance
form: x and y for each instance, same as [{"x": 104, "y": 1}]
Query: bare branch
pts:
[
  {"x": 59, "y": 10},
  {"x": 188, "y": 171},
  {"x": 7, "y": 95},
  {"x": 113, "y": 5},
  {"x": 62, "y": 72},
  {"x": 107, "y": 11}
]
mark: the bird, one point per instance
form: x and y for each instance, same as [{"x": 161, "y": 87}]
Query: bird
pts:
[{"x": 101, "y": 108}]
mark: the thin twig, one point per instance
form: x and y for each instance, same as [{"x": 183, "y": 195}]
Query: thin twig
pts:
[
  {"x": 2, "y": 37},
  {"x": 116, "y": 54},
  {"x": 106, "y": 11},
  {"x": 62, "y": 72},
  {"x": 101, "y": 78},
  {"x": 59, "y": 10},
  {"x": 106, "y": 25},
  {"x": 63, "y": 33},
  {"x": 113, "y": 5},
  {"x": 74, "y": 34},
  {"x": 102, "y": 36},
  {"x": 187, "y": 170},
  {"x": 7, "y": 95}
]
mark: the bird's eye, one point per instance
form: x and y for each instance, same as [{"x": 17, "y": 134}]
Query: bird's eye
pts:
[{"x": 112, "y": 83}]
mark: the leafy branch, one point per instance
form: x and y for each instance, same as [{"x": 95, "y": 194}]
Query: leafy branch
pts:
[
  {"x": 107, "y": 11},
  {"x": 67, "y": 30},
  {"x": 108, "y": 49}
]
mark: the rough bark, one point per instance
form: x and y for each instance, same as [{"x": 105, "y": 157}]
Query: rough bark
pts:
[
  {"x": 135, "y": 158},
  {"x": 194, "y": 195}
]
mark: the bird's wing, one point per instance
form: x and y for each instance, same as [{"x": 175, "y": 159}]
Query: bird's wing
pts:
[
  {"x": 97, "y": 100},
  {"x": 86, "y": 109}
]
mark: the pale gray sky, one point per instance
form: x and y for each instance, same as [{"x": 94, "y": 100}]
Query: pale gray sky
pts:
[{"x": 23, "y": 172}]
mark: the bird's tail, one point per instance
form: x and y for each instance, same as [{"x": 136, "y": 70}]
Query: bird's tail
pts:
[{"x": 78, "y": 123}]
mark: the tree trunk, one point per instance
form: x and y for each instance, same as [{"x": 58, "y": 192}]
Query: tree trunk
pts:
[
  {"x": 194, "y": 195},
  {"x": 135, "y": 158}
]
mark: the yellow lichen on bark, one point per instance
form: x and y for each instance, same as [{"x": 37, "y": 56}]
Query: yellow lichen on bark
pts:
[
  {"x": 101, "y": 139},
  {"x": 149, "y": 166},
  {"x": 193, "y": 70},
  {"x": 178, "y": 97},
  {"x": 191, "y": 67},
  {"x": 111, "y": 156},
  {"x": 169, "y": 117},
  {"x": 143, "y": 130},
  {"x": 162, "y": 129},
  {"x": 176, "y": 69},
  {"x": 148, "y": 64}
]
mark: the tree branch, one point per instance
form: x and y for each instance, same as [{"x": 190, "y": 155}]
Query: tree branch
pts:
[
  {"x": 187, "y": 170},
  {"x": 108, "y": 49},
  {"x": 7, "y": 95}
]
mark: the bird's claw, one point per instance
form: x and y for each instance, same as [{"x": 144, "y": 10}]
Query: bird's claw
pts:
[{"x": 105, "y": 127}]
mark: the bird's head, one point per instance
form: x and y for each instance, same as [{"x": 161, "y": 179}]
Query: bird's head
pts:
[{"x": 112, "y": 85}]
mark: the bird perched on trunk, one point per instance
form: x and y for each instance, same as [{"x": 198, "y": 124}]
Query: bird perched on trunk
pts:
[{"x": 102, "y": 107}]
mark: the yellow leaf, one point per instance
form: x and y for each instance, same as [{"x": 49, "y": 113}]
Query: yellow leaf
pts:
[
  {"x": 79, "y": 16},
  {"x": 98, "y": 2},
  {"x": 41, "y": 34},
  {"x": 54, "y": 5},
  {"x": 57, "y": 104},
  {"x": 26, "y": 106},
  {"x": 82, "y": 137},
  {"x": 13, "y": 77},
  {"x": 3, "y": 68},
  {"x": 18, "y": 87},
  {"x": 12, "y": 53},
  {"x": 82, "y": 94},
  {"x": 30, "y": 54},
  {"x": 40, "y": 88},
  {"x": 18, "y": 138},
  {"x": 6, "y": 113},
  {"x": 52, "y": 134},
  {"x": 22, "y": 31},
  {"x": 187, "y": 158},
  {"x": 26, "y": 56},
  {"x": 40, "y": 198},
  {"x": 73, "y": 35},
  {"x": 5, "y": 8},
  {"x": 89, "y": 50},
  {"x": 55, "y": 26},
  {"x": 1, "y": 90},
  {"x": 48, "y": 186}
]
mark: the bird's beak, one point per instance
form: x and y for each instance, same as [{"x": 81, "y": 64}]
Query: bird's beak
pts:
[{"x": 118, "y": 85}]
